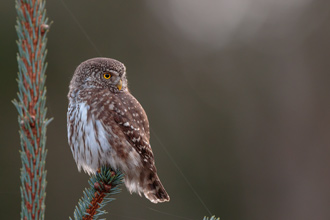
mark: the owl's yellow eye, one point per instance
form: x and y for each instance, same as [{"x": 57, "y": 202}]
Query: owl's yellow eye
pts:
[{"x": 106, "y": 75}]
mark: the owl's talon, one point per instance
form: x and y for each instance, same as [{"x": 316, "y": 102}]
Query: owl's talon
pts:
[
  {"x": 102, "y": 187},
  {"x": 97, "y": 186},
  {"x": 113, "y": 173},
  {"x": 107, "y": 188}
]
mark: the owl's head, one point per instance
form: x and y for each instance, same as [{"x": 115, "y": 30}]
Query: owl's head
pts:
[{"x": 100, "y": 73}]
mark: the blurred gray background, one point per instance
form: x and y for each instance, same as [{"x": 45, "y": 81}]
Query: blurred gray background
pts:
[{"x": 236, "y": 90}]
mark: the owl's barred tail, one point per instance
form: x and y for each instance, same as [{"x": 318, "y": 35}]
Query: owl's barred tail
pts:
[{"x": 155, "y": 191}]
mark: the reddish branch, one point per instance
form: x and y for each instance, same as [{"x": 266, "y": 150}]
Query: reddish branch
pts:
[
  {"x": 98, "y": 198},
  {"x": 33, "y": 33}
]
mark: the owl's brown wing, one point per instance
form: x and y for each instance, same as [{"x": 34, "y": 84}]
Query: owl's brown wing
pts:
[
  {"x": 123, "y": 116},
  {"x": 133, "y": 122},
  {"x": 127, "y": 125}
]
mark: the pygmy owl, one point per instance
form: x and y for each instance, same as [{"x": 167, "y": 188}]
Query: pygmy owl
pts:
[{"x": 108, "y": 126}]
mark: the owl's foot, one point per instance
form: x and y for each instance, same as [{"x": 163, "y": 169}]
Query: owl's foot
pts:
[
  {"x": 102, "y": 187},
  {"x": 113, "y": 173}
]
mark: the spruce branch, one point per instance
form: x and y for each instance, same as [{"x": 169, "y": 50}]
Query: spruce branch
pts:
[
  {"x": 32, "y": 29},
  {"x": 103, "y": 185}
]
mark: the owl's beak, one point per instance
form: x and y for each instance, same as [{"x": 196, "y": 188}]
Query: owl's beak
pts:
[{"x": 120, "y": 84}]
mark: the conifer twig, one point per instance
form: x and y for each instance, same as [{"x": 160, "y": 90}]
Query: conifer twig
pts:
[
  {"x": 103, "y": 184},
  {"x": 32, "y": 29}
]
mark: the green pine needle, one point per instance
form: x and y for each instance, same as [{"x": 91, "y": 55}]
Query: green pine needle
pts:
[{"x": 32, "y": 28}]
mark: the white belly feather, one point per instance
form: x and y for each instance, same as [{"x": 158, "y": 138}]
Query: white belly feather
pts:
[{"x": 90, "y": 145}]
